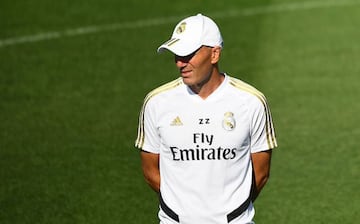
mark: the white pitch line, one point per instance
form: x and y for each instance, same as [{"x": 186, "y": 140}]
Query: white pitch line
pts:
[{"x": 160, "y": 21}]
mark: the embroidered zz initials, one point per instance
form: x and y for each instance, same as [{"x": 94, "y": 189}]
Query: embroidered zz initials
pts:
[{"x": 204, "y": 121}]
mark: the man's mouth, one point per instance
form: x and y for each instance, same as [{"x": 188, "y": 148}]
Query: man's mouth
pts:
[{"x": 185, "y": 73}]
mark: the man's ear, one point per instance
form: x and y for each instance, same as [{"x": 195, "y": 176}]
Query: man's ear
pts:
[{"x": 215, "y": 54}]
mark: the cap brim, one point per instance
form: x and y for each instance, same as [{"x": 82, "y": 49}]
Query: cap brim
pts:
[{"x": 179, "y": 47}]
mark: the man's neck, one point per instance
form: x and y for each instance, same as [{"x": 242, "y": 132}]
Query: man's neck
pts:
[{"x": 209, "y": 86}]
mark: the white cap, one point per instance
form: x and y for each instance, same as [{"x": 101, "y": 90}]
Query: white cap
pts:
[{"x": 191, "y": 33}]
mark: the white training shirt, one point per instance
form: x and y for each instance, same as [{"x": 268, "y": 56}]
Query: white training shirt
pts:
[{"x": 205, "y": 147}]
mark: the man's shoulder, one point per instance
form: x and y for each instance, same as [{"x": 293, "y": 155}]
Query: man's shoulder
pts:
[
  {"x": 246, "y": 89},
  {"x": 164, "y": 88}
]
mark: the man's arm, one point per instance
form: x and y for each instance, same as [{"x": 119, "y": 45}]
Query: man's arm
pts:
[
  {"x": 261, "y": 165},
  {"x": 150, "y": 168}
]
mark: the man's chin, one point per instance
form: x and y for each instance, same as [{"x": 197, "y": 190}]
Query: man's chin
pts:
[{"x": 187, "y": 81}]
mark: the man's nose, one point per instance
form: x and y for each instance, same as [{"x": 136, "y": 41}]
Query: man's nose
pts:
[{"x": 180, "y": 61}]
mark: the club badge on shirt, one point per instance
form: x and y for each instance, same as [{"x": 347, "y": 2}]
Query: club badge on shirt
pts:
[{"x": 229, "y": 121}]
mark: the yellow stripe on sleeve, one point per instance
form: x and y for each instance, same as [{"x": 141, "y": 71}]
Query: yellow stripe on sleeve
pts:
[
  {"x": 270, "y": 133},
  {"x": 139, "y": 143}
]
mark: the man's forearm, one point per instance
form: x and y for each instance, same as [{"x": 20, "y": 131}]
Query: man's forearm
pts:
[
  {"x": 261, "y": 166},
  {"x": 153, "y": 181},
  {"x": 150, "y": 168}
]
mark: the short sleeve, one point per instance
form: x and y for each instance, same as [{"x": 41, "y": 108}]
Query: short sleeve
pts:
[
  {"x": 262, "y": 128},
  {"x": 148, "y": 138}
]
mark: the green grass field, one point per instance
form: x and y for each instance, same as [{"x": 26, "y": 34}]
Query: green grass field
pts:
[{"x": 69, "y": 104}]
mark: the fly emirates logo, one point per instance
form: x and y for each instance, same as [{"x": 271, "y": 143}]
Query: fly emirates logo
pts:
[{"x": 208, "y": 152}]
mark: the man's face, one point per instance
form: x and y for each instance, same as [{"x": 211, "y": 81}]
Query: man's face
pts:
[{"x": 196, "y": 68}]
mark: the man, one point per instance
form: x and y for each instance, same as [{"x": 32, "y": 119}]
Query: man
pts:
[{"x": 206, "y": 137}]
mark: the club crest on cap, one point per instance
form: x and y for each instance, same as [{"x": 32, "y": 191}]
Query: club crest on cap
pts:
[
  {"x": 229, "y": 121},
  {"x": 181, "y": 28}
]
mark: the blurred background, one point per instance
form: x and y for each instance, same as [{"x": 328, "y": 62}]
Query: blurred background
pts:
[{"x": 73, "y": 75}]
